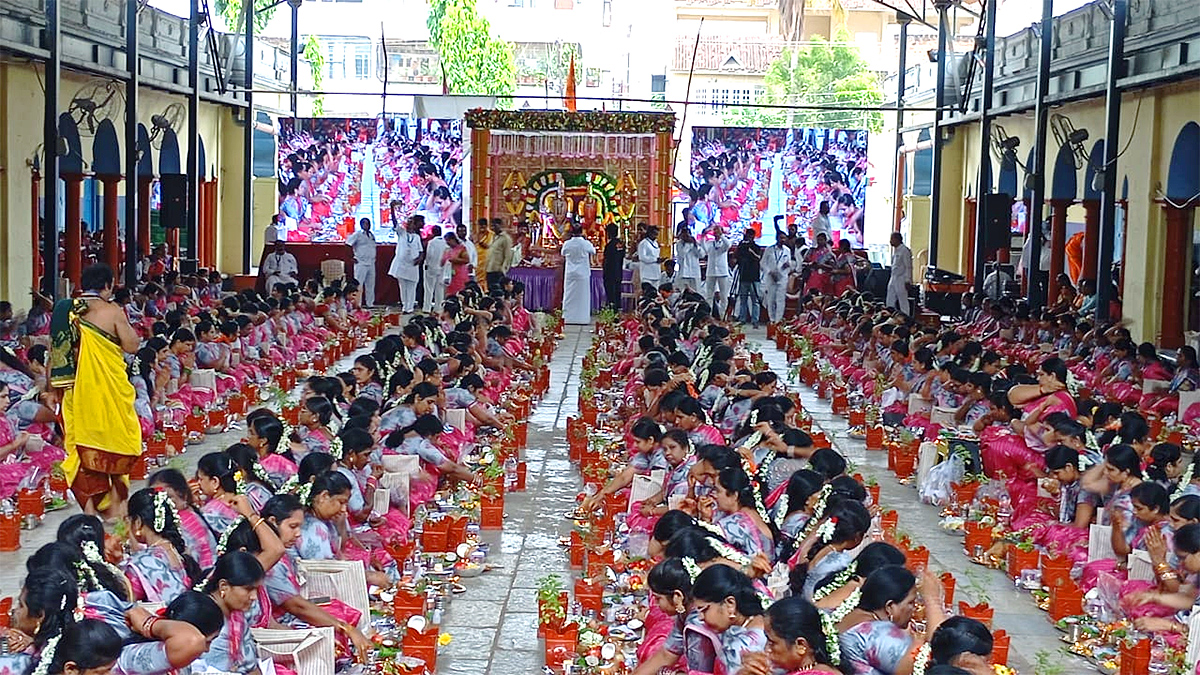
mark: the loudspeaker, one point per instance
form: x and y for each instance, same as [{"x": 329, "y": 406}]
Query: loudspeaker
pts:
[
  {"x": 997, "y": 218},
  {"x": 173, "y": 212}
]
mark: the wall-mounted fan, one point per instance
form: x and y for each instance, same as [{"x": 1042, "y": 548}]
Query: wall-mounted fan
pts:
[
  {"x": 170, "y": 119},
  {"x": 94, "y": 103}
]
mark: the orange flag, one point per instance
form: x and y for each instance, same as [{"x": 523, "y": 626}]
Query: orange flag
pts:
[{"x": 570, "y": 98}]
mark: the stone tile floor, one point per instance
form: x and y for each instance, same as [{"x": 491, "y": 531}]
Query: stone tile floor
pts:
[{"x": 494, "y": 624}]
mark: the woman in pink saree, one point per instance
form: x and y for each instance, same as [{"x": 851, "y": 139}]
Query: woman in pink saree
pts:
[
  {"x": 456, "y": 256},
  {"x": 1009, "y": 454}
]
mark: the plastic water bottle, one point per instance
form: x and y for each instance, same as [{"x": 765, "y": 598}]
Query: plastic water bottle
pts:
[{"x": 510, "y": 474}]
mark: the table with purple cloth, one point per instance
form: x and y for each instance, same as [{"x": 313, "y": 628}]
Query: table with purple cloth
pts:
[{"x": 544, "y": 287}]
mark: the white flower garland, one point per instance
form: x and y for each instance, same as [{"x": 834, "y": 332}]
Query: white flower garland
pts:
[
  {"x": 848, "y": 605},
  {"x": 693, "y": 570},
  {"x": 825, "y": 531},
  {"x": 829, "y": 628},
  {"x": 91, "y": 553},
  {"x": 335, "y": 448},
  {"x": 921, "y": 660},
  {"x": 164, "y": 512},
  {"x": 781, "y": 510},
  {"x": 47, "y": 657},
  {"x": 728, "y": 552},
  {"x": 223, "y": 543},
  {"x": 818, "y": 511},
  {"x": 1184, "y": 481},
  {"x": 839, "y": 581}
]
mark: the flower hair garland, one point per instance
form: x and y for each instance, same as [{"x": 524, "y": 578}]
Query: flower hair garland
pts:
[
  {"x": 164, "y": 512},
  {"x": 710, "y": 527},
  {"x": 1184, "y": 481},
  {"x": 829, "y": 627},
  {"x": 818, "y": 511},
  {"x": 693, "y": 570},
  {"x": 335, "y": 448},
  {"x": 781, "y": 510},
  {"x": 285, "y": 439},
  {"x": 728, "y": 552},
  {"x": 91, "y": 553},
  {"x": 239, "y": 478},
  {"x": 921, "y": 660},
  {"x": 261, "y": 474},
  {"x": 848, "y": 605},
  {"x": 47, "y": 657},
  {"x": 291, "y": 485},
  {"x": 304, "y": 493},
  {"x": 825, "y": 531},
  {"x": 839, "y": 581},
  {"x": 223, "y": 543},
  {"x": 85, "y": 576}
]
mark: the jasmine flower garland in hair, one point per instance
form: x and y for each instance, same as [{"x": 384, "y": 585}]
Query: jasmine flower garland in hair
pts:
[
  {"x": 710, "y": 527},
  {"x": 825, "y": 531},
  {"x": 285, "y": 439},
  {"x": 239, "y": 477},
  {"x": 290, "y": 486},
  {"x": 304, "y": 493},
  {"x": 91, "y": 553},
  {"x": 161, "y": 504},
  {"x": 781, "y": 510},
  {"x": 829, "y": 628},
  {"x": 843, "y": 610},
  {"x": 921, "y": 660},
  {"x": 86, "y": 577},
  {"x": 1184, "y": 480},
  {"x": 818, "y": 512},
  {"x": 728, "y": 552},
  {"x": 839, "y": 581},
  {"x": 693, "y": 570},
  {"x": 261, "y": 474},
  {"x": 47, "y": 657},
  {"x": 335, "y": 448},
  {"x": 223, "y": 543}
]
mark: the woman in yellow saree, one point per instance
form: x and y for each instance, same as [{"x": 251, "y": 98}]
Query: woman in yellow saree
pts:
[{"x": 103, "y": 437}]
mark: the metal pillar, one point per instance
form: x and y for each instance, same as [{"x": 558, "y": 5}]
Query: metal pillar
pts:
[
  {"x": 53, "y": 46},
  {"x": 901, "y": 85},
  {"x": 132, "y": 181},
  {"x": 1037, "y": 172},
  {"x": 295, "y": 61},
  {"x": 192, "y": 221},
  {"x": 1112, "y": 128},
  {"x": 935, "y": 205},
  {"x": 984, "y": 186},
  {"x": 248, "y": 141}
]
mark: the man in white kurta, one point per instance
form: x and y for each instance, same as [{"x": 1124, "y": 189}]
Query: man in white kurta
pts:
[
  {"x": 280, "y": 268},
  {"x": 362, "y": 242},
  {"x": 577, "y": 255},
  {"x": 897, "y": 288},
  {"x": 435, "y": 272},
  {"x": 776, "y": 268},
  {"x": 716, "y": 282},
  {"x": 405, "y": 268}
]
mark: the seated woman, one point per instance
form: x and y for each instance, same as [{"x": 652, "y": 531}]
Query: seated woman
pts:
[
  {"x": 200, "y": 541},
  {"x": 420, "y": 438},
  {"x": 1182, "y": 600},
  {"x": 964, "y": 643},
  {"x": 799, "y": 642},
  {"x": 43, "y": 610},
  {"x": 834, "y": 548},
  {"x": 874, "y": 636},
  {"x": 233, "y": 584},
  {"x": 253, "y": 480},
  {"x": 646, "y": 457},
  {"x": 793, "y": 508},
  {"x": 285, "y": 515},
  {"x": 736, "y": 514},
  {"x": 677, "y": 450},
  {"x": 367, "y": 378},
  {"x": 1185, "y": 378},
  {"x": 835, "y": 590},
  {"x": 265, "y": 434},
  {"x": 85, "y": 647},
  {"x": 188, "y": 624},
  {"x": 731, "y": 612},
  {"x": 159, "y": 568},
  {"x": 216, "y": 477}
]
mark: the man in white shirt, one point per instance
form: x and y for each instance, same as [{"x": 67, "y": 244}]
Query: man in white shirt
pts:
[
  {"x": 820, "y": 223},
  {"x": 687, "y": 261},
  {"x": 649, "y": 257},
  {"x": 280, "y": 268},
  {"x": 995, "y": 283},
  {"x": 897, "y": 288},
  {"x": 406, "y": 267},
  {"x": 362, "y": 241},
  {"x": 776, "y": 269},
  {"x": 716, "y": 282},
  {"x": 435, "y": 272}
]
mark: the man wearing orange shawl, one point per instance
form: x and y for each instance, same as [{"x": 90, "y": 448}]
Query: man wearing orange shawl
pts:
[{"x": 90, "y": 336}]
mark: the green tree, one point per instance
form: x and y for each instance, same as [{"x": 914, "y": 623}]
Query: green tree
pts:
[
  {"x": 821, "y": 73},
  {"x": 231, "y": 12},
  {"x": 315, "y": 55},
  {"x": 473, "y": 61}
]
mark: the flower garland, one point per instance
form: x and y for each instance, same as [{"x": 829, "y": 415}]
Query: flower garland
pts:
[
  {"x": 86, "y": 577},
  {"x": 91, "y": 553},
  {"x": 728, "y": 552},
  {"x": 335, "y": 448},
  {"x": 829, "y": 628},
  {"x": 47, "y": 657},
  {"x": 162, "y": 503},
  {"x": 818, "y": 511},
  {"x": 825, "y": 531},
  {"x": 239, "y": 478},
  {"x": 290, "y": 486},
  {"x": 781, "y": 510},
  {"x": 223, "y": 542},
  {"x": 921, "y": 660},
  {"x": 261, "y": 474},
  {"x": 1184, "y": 480},
  {"x": 304, "y": 494},
  {"x": 693, "y": 570},
  {"x": 578, "y": 122},
  {"x": 285, "y": 439},
  {"x": 848, "y": 605},
  {"x": 839, "y": 581}
]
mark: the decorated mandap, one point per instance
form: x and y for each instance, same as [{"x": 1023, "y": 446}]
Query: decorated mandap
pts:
[{"x": 549, "y": 168}]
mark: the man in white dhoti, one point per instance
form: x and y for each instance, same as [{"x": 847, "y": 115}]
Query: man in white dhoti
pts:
[
  {"x": 577, "y": 255},
  {"x": 362, "y": 242},
  {"x": 280, "y": 268},
  {"x": 716, "y": 282},
  {"x": 406, "y": 268},
  {"x": 897, "y": 288},
  {"x": 435, "y": 272},
  {"x": 776, "y": 268}
]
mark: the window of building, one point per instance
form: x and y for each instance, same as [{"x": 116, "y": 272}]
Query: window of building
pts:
[
  {"x": 362, "y": 61},
  {"x": 658, "y": 84},
  {"x": 335, "y": 61}
]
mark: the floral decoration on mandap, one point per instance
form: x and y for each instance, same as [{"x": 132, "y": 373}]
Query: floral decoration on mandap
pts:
[{"x": 583, "y": 122}]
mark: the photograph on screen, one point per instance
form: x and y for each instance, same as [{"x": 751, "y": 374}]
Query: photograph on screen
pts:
[
  {"x": 334, "y": 172},
  {"x": 746, "y": 177}
]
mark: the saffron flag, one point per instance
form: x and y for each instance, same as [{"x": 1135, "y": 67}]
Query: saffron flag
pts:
[{"x": 570, "y": 96}]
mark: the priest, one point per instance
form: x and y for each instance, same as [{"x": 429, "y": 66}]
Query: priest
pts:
[{"x": 577, "y": 255}]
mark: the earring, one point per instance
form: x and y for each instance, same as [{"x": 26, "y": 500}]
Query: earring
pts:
[{"x": 222, "y": 593}]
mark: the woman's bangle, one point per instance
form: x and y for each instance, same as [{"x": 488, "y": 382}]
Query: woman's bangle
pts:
[
  {"x": 258, "y": 522},
  {"x": 148, "y": 626}
]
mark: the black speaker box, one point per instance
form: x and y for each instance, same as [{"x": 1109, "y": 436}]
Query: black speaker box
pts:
[
  {"x": 173, "y": 213},
  {"x": 997, "y": 218}
]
